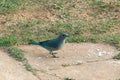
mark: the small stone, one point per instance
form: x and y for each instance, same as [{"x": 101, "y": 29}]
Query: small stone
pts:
[{"x": 99, "y": 54}]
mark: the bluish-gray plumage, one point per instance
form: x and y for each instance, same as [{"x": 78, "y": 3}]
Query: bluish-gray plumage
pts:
[{"x": 52, "y": 45}]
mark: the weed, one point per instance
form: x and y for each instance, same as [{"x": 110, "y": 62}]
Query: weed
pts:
[
  {"x": 80, "y": 29},
  {"x": 117, "y": 56},
  {"x": 30, "y": 31},
  {"x": 94, "y": 38},
  {"x": 10, "y": 5},
  {"x": 117, "y": 79},
  {"x": 65, "y": 65},
  {"x": 16, "y": 53},
  {"x": 103, "y": 26},
  {"x": 24, "y": 30},
  {"x": 57, "y": 6},
  {"x": 65, "y": 15},
  {"x": 113, "y": 40},
  {"x": 77, "y": 39},
  {"x": 8, "y": 40},
  {"x": 101, "y": 6},
  {"x": 28, "y": 67},
  {"x": 69, "y": 79}
]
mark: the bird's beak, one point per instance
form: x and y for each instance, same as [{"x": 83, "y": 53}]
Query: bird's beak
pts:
[{"x": 67, "y": 35}]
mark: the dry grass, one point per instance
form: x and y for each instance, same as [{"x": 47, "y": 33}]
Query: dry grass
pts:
[{"x": 84, "y": 20}]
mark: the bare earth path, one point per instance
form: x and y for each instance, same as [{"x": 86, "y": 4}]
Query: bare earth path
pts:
[
  {"x": 84, "y": 61},
  {"x": 10, "y": 69}
]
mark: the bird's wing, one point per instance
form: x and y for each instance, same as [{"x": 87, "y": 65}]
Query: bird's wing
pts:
[{"x": 50, "y": 43}]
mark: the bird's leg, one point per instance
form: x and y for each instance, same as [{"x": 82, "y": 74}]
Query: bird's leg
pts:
[{"x": 53, "y": 54}]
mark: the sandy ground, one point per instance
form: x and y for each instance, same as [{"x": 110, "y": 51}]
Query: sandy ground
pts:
[
  {"x": 11, "y": 69},
  {"x": 84, "y": 61}
]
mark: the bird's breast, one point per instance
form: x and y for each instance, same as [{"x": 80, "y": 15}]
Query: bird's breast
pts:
[{"x": 60, "y": 44}]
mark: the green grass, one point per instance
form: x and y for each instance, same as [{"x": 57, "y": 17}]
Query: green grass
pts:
[
  {"x": 38, "y": 30},
  {"x": 68, "y": 79},
  {"x": 11, "y": 5},
  {"x": 99, "y": 8},
  {"x": 17, "y": 53},
  {"x": 84, "y": 20},
  {"x": 102, "y": 6},
  {"x": 117, "y": 79},
  {"x": 65, "y": 65},
  {"x": 113, "y": 40},
  {"x": 117, "y": 56},
  {"x": 28, "y": 67},
  {"x": 103, "y": 27},
  {"x": 8, "y": 40}
]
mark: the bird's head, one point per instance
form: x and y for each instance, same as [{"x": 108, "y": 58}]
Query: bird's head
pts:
[{"x": 63, "y": 36}]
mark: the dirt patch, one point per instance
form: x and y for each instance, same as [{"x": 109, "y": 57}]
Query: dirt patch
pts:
[
  {"x": 10, "y": 69},
  {"x": 85, "y": 61}
]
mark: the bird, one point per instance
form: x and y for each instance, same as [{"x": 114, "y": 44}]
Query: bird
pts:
[{"x": 53, "y": 44}]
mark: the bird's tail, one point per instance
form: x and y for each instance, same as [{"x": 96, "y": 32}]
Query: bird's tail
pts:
[{"x": 34, "y": 43}]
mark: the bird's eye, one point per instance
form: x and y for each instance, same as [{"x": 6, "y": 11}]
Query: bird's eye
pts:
[{"x": 63, "y": 35}]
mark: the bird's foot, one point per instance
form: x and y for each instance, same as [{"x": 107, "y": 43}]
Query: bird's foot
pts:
[
  {"x": 55, "y": 56},
  {"x": 54, "y": 53}
]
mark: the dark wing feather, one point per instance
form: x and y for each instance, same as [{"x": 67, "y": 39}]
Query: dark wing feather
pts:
[{"x": 50, "y": 44}]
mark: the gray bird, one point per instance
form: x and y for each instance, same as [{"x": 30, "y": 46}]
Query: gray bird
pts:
[{"x": 54, "y": 44}]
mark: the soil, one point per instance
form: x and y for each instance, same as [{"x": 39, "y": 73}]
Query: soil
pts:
[
  {"x": 78, "y": 61},
  {"x": 10, "y": 69}
]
